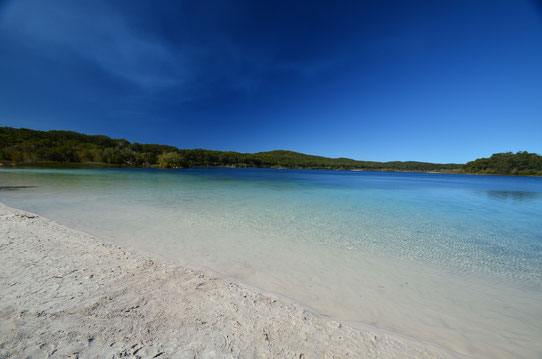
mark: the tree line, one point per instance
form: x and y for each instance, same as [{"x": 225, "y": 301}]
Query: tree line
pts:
[
  {"x": 31, "y": 147},
  {"x": 521, "y": 163}
]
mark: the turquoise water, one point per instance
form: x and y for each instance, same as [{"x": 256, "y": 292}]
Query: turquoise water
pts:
[{"x": 453, "y": 259}]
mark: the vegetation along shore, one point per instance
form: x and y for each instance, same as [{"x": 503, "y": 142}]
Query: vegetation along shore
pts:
[{"x": 26, "y": 147}]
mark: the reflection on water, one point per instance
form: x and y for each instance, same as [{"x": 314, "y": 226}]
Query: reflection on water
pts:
[
  {"x": 515, "y": 195},
  {"x": 14, "y": 188}
]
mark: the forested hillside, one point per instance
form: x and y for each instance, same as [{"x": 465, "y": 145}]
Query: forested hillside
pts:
[
  {"x": 31, "y": 147},
  {"x": 521, "y": 163}
]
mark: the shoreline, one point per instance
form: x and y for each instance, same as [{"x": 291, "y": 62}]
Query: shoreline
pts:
[
  {"x": 96, "y": 165},
  {"x": 138, "y": 303}
]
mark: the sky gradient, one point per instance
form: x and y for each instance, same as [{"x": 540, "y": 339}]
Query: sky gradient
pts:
[{"x": 438, "y": 81}]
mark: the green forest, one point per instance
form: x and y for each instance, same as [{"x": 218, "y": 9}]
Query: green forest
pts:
[
  {"x": 521, "y": 164},
  {"x": 25, "y": 147}
]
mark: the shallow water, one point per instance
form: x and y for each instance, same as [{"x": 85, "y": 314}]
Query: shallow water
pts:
[{"x": 451, "y": 259}]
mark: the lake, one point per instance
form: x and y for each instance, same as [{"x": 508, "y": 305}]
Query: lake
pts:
[{"x": 451, "y": 259}]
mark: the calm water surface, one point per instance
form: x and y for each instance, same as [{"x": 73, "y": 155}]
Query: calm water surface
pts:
[{"x": 451, "y": 259}]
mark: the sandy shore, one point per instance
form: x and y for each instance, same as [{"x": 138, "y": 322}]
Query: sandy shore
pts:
[{"x": 65, "y": 294}]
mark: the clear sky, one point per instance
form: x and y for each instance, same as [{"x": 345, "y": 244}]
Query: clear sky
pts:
[{"x": 440, "y": 81}]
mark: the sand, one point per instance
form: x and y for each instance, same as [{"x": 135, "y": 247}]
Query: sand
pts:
[{"x": 66, "y": 294}]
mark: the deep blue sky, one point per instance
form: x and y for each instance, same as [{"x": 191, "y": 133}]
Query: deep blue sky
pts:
[{"x": 441, "y": 81}]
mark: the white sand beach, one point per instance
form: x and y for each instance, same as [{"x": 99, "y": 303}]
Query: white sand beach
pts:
[{"x": 66, "y": 294}]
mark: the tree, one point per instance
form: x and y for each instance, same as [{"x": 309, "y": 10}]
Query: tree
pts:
[{"x": 171, "y": 160}]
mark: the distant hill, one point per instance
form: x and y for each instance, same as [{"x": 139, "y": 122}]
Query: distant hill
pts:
[
  {"x": 290, "y": 159},
  {"x": 31, "y": 147},
  {"x": 521, "y": 163}
]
